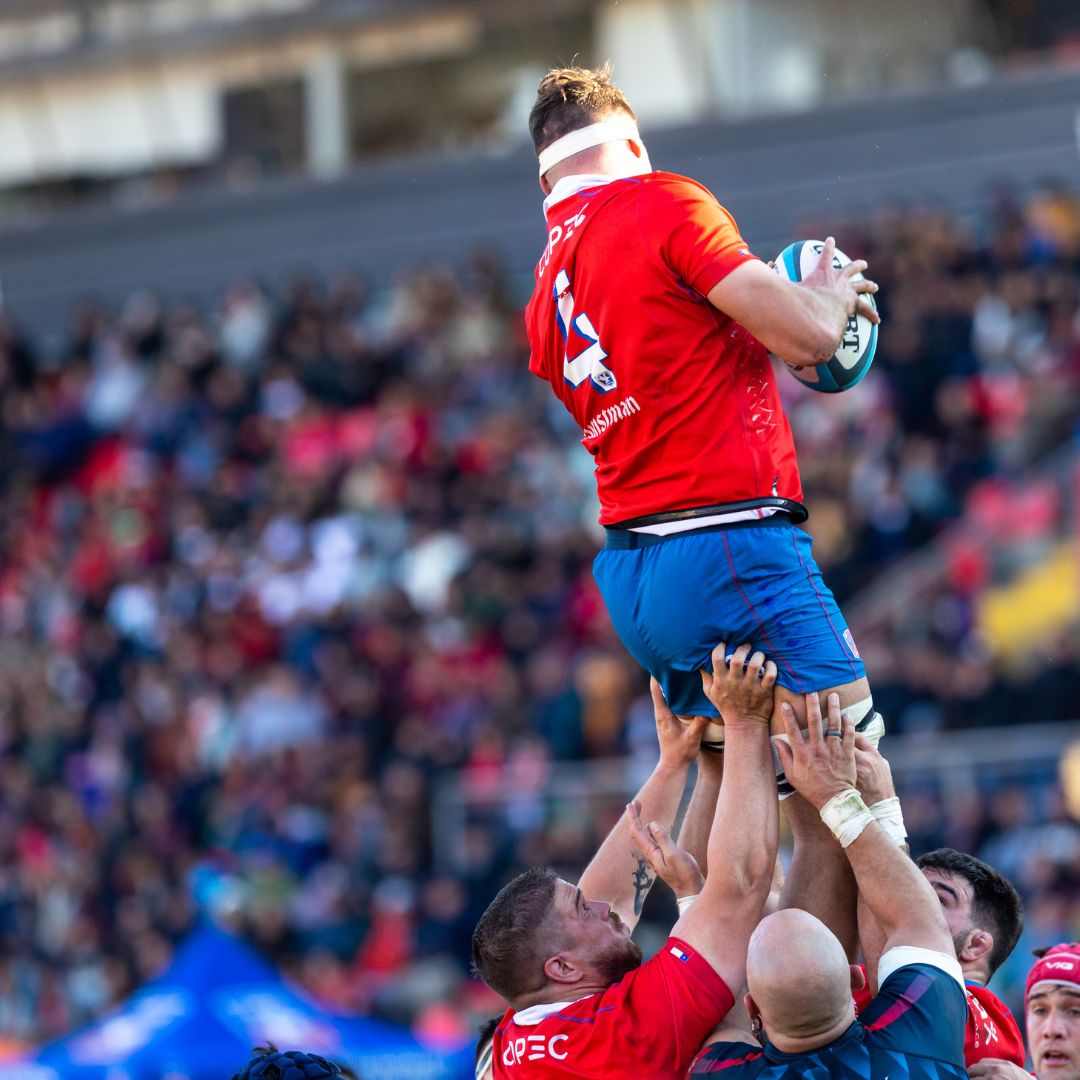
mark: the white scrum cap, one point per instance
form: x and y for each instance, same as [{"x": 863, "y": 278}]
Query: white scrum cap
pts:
[{"x": 622, "y": 127}]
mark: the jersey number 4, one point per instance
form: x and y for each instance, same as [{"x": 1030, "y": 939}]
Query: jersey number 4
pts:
[{"x": 588, "y": 364}]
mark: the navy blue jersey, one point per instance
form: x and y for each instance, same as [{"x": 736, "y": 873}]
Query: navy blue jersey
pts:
[{"x": 912, "y": 1030}]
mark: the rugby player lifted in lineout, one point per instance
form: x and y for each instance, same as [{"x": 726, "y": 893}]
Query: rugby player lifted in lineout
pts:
[{"x": 653, "y": 323}]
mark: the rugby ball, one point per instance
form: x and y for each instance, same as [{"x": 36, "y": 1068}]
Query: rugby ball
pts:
[{"x": 852, "y": 360}]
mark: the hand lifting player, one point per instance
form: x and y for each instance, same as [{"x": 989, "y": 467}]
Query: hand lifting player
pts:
[
  {"x": 799, "y": 978},
  {"x": 683, "y": 868},
  {"x": 581, "y": 1001},
  {"x": 653, "y": 322}
]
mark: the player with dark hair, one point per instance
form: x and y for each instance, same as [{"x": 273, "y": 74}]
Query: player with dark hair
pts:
[
  {"x": 798, "y": 975},
  {"x": 653, "y": 323},
  {"x": 984, "y": 915},
  {"x": 269, "y": 1063},
  {"x": 581, "y": 1001},
  {"x": 983, "y": 910}
]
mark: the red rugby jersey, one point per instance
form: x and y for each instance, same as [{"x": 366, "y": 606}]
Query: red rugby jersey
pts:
[
  {"x": 992, "y": 1031},
  {"x": 650, "y": 1025},
  {"x": 677, "y": 402}
]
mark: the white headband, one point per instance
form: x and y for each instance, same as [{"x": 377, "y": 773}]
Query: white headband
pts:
[{"x": 587, "y": 137}]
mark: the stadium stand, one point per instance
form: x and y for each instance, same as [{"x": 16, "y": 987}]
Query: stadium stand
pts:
[
  {"x": 265, "y": 569},
  {"x": 943, "y": 147}
]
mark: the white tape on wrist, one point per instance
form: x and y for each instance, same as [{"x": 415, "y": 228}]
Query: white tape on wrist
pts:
[
  {"x": 586, "y": 138},
  {"x": 888, "y": 814},
  {"x": 684, "y": 903},
  {"x": 846, "y": 815}
]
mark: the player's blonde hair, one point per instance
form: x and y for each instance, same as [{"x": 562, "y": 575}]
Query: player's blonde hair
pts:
[{"x": 573, "y": 97}]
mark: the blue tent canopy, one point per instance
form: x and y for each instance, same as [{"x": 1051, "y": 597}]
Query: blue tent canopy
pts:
[{"x": 200, "y": 1019}]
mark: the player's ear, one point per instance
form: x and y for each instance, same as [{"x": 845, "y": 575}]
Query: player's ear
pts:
[
  {"x": 752, "y": 1011},
  {"x": 561, "y": 968},
  {"x": 979, "y": 943},
  {"x": 639, "y": 151},
  {"x": 545, "y": 185},
  {"x": 858, "y": 977}
]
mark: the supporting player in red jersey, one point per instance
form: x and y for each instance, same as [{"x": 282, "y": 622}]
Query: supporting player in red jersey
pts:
[
  {"x": 653, "y": 322},
  {"x": 581, "y": 1002},
  {"x": 984, "y": 915}
]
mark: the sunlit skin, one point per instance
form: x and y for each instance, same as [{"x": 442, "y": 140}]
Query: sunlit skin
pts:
[
  {"x": 593, "y": 943},
  {"x": 955, "y": 894},
  {"x": 1053, "y": 1029},
  {"x": 973, "y": 944},
  {"x": 588, "y": 920}
]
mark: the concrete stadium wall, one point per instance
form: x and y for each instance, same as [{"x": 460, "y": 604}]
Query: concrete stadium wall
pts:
[{"x": 949, "y": 147}]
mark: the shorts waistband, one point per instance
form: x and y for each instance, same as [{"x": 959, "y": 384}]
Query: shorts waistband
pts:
[
  {"x": 624, "y": 539},
  {"x": 741, "y": 509}
]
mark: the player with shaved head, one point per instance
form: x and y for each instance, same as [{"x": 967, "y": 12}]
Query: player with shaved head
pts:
[
  {"x": 789, "y": 942},
  {"x": 798, "y": 977}
]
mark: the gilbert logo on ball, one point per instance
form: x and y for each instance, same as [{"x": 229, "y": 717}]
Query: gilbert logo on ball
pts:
[{"x": 856, "y": 353}]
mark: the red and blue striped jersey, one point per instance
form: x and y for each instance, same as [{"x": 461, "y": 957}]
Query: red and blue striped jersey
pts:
[
  {"x": 912, "y": 1030},
  {"x": 992, "y": 1030}
]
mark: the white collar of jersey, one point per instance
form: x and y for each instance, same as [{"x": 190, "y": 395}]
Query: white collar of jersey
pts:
[
  {"x": 535, "y": 1013},
  {"x": 571, "y": 185},
  {"x": 605, "y": 131}
]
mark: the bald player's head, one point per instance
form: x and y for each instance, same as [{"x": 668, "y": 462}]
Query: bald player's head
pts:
[{"x": 799, "y": 980}]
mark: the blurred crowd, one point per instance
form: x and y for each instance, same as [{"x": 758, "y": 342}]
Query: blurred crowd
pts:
[{"x": 269, "y": 572}]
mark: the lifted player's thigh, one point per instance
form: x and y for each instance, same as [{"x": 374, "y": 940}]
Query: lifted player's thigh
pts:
[{"x": 855, "y": 699}]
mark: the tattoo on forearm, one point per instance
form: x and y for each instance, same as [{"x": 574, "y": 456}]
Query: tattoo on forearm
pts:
[{"x": 642, "y": 883}]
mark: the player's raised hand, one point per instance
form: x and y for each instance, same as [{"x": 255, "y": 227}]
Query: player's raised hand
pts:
[
  {"x": 680, "y": 740},
  {"x": 742, "y": 689},
  {"x": 997, "y": 1069},
  {"x": 665, "y": 858},
  {"x": 819, "y": 762},
  {"x": 873, "y": 776}
]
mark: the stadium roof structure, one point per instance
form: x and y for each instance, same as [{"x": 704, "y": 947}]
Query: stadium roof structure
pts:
[
  {"x": 93, "y": 37},
  {"x": 202, "y": 1016},
  {"x": 945, "y": 148}
]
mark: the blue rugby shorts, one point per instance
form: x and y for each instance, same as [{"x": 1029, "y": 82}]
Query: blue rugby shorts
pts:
[{"x": 672, "y": 599}]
